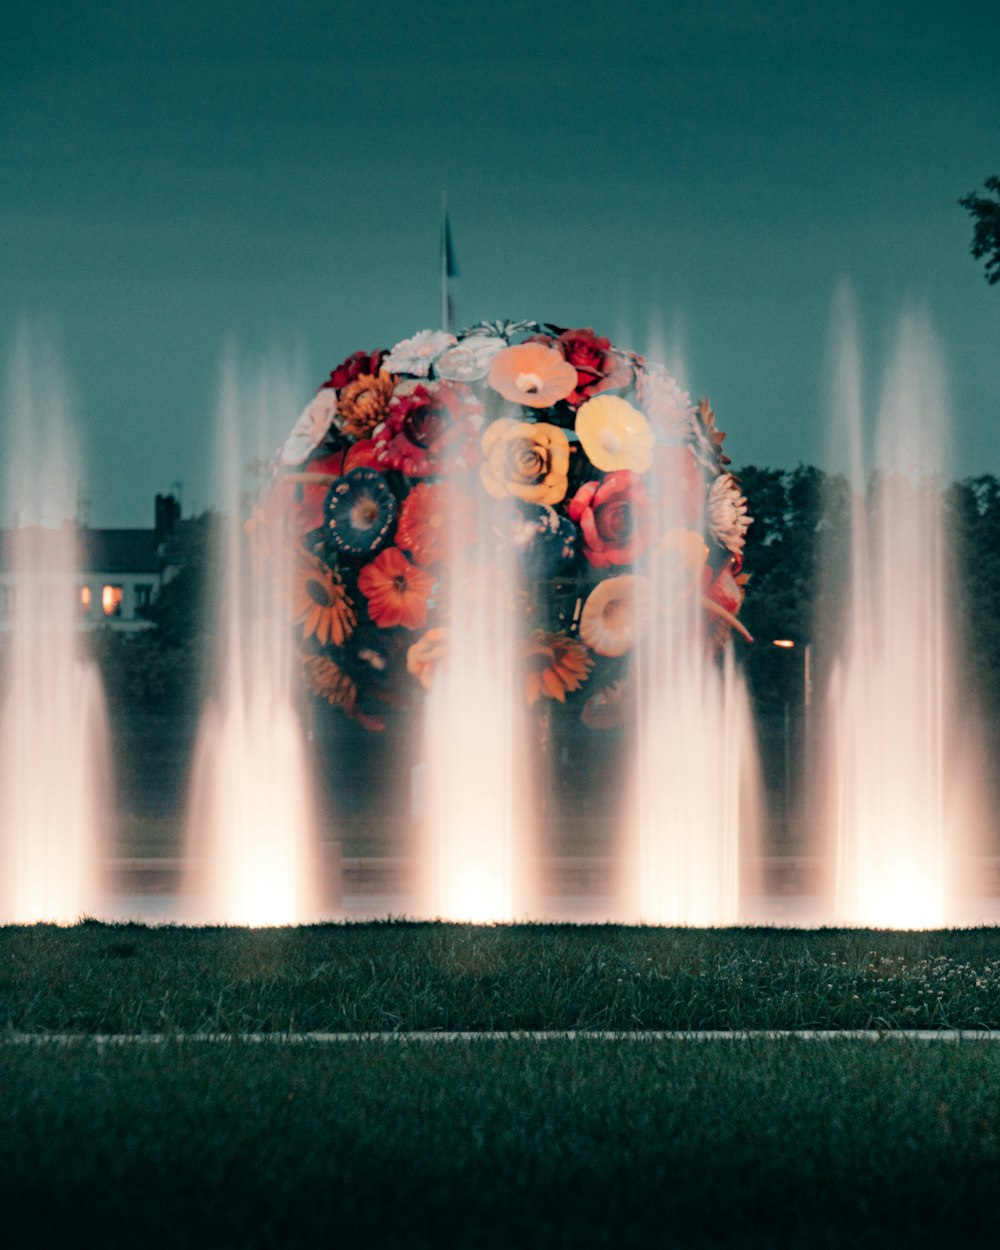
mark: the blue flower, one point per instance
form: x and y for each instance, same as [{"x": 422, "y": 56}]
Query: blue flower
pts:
[
  {"x": 545, "y": 542},
  {"x": 359, "y": 513}
]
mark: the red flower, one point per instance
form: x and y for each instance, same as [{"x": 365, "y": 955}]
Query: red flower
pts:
[
  {"x": 598, "y": 367},
  {"x": 353, "y": 367},
  {"x": 396, "y": 590},
  {"x": 728, "y": 587},
  {"x": 615, "y": 517},
  {"x": 308, "y": 488},
  {"x": 433, "y": 516},
  {"x": 431, "y": 426}
]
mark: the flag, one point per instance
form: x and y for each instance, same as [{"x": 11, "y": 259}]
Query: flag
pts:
[{"x": 448, "y": 266}]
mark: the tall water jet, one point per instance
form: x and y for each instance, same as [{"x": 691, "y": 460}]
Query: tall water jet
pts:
[
  {"x": 54, "y": 758},
  {"x": 474, "y": 822},
  {"x": 691, "y": 811},
  {"x": 893, "y": 732},
  {"x": 252, "y": 845}
]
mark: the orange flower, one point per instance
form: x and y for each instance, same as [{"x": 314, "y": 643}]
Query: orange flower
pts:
[
  {"x": 554, "y": 665},
  {"x": 616, "y": 614},
  {"x": 397, "y": 591},
  {"x": 424, "y": 656},
  {"x": 319, "y": 601},
  {"x": 529, "y": 460},
  {"x": 328, "y": 680},
  {"x": 363, "y": 403},
  {"x": 432, "y": 517},
  {"x": 532, "y": 374}
]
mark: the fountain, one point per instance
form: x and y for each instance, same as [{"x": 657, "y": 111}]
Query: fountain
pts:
[
  {"x": 474, "y": 860},
  {"x": 252, "y": 853},
  {"x": 54, "y": 760},
  {"x": 893, "y": 746}
]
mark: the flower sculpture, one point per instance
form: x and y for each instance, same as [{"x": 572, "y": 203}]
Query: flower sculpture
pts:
[{"x": 587, "y": 466}]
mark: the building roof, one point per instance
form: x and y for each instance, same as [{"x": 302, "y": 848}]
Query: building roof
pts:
[{"x": 113, "y": 551}]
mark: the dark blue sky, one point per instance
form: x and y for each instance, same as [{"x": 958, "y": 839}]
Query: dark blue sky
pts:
[{"x": 181, "y": 174}]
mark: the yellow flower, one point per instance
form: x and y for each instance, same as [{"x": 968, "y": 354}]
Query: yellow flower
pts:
[
  {"x": 614, "y": 434},
  {"x": 528, "y": 460},
  {"x": 616, "y": 614}
]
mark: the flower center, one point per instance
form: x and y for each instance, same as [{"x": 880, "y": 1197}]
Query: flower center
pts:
[
  {"x": 611, "y": 442},
  {"x": 615, "y": 614},
  {"x": 435, "y": 521},
  {"x": 400, "y": 584},
  {"x": 317, "y": 592},
  {"x": 529, "y": 383},
  {"x": 364, "y": 513}
]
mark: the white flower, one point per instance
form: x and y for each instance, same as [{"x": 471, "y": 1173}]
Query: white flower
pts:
[
  {"x": 470, "y": 360},
  {"x": 416, "y": 355},
  {"x": 311, "y": 428},
  {"x": 727, "y": 513}
]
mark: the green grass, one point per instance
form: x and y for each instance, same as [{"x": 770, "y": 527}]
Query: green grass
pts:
[
  {"x": 501, "y": 1144},
  {"x": 98, "y": 978},
  {"x": 591, "y": 1143}
]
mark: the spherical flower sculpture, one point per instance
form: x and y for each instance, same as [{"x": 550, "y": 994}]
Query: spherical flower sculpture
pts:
[{"x": 598, "y": 477}]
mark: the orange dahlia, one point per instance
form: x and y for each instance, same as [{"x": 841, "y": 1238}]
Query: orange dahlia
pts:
[
  {"x": 319, "y": 601},
  {"x": 554, "y": 665},
  {"x": 397, "y": 591},
  {"x": 433, "y": 516},
  {"x": 363, "y": 403}
]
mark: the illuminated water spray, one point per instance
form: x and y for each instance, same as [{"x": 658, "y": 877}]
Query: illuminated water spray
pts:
[
  {"x": 893, "y": 728},
  {"x": 252, "y": 841},
  {"x": 54, "y": 761},
  {"x": 474, "y": 823},
  {"x": 691, "y": 812}
]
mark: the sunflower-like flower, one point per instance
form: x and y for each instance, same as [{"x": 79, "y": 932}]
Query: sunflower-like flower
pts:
[
  {"x": 433, "y": 518},
  {"x": 364, "y": 403},
  {"x": 614, "y": 434},
  {"x": 329, "y": 681},
  {"x": 320, "y": 603},
  {"x": 416, "y": 355},
  {"x": 727, "y": 513},
  {"x": 360, "y": 510},
  {"x": 396, "y": 590},
  {"x": 664, "y": 402},
  {"x": 426, "y": 653},
  {"x": 310, "y": 429},
  {"x": 528, "y": 460},
  {"x": 532, "y": 374},
  {"x": 554, "y": 665},
  {"x": 617, "y": 614}
]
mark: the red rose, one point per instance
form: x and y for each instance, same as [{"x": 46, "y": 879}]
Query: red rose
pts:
[
  {"x": 598, "y": 367},
  {"x": 431, "y": 426},
  {"x": 353, "y": 367},
  {"x": 615, "y": 517}
]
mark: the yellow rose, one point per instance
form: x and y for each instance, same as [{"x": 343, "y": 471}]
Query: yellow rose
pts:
[{"x": 528, "y": 460}]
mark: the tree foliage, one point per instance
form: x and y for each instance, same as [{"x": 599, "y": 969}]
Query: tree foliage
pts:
[{"x": 985, "y": 211}]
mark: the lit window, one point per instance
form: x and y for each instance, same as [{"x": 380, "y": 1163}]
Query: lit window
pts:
[
  {"x": 84, "y": 600},
  {"x": 111, "y": 600}
]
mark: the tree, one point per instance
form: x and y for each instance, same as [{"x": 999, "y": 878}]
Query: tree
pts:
[{"x": 986, "y": 233}]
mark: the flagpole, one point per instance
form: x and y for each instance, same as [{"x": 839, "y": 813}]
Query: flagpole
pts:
[{"x": 444, "y": 262}]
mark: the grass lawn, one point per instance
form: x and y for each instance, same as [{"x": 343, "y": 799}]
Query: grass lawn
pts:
[
  {"x": 497, "y": 1143},
  {"x": 99, "y": 978}
]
